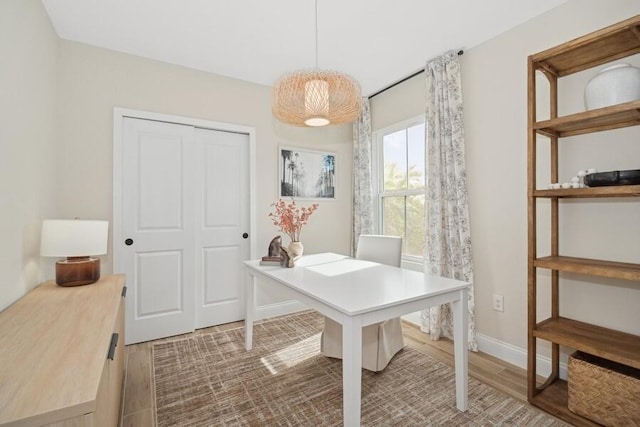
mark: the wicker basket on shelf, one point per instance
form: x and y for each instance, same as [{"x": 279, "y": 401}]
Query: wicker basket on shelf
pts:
[{"x": 603, "y": 391}]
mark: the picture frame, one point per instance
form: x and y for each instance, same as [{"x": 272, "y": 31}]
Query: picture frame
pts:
[{"x": 306, "y": 174}]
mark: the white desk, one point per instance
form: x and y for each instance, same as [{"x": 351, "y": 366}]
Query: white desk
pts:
[{"x": 357, "y": 293}]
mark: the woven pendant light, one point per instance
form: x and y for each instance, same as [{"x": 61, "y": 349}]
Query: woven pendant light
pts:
[{"x": 315, "y": 97}]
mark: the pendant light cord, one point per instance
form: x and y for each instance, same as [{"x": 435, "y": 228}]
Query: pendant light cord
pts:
[{"x": 316, "y": 1}]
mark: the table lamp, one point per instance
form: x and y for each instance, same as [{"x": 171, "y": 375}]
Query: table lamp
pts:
[{"x": 77, "y": 240}]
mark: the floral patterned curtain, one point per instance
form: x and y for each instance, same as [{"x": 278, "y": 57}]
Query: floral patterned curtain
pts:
[
  {"x": 448, "y": 237},
  {"x": 362, "y": 187}
]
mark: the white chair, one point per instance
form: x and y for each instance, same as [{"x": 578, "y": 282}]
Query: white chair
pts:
[{"x": 380, "y": 341}]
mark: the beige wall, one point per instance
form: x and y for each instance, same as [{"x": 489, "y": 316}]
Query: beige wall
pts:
[
  {"x": 28, "y": 56},
  {"x": 93, "y": 80},
  {"x": 56, "y": 138},
  {"x": 494, "y": 86},
  {"x": 402, "y": 102},
  {"x": 494, "y": 78}
]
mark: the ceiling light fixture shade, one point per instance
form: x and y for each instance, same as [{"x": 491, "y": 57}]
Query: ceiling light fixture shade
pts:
[{"x": 315, "y": 97}]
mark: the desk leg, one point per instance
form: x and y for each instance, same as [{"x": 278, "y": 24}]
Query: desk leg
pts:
[
  {"x": 460, "y": 344},
  {"x": 351, "y": 371},
  {"x": 250, "y": 309}
]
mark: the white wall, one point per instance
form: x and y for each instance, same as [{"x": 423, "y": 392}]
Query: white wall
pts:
[
  {"x": 494, "y": 79},
  {"x": 93, "y": 80},
  {"x": 28, "y": 58}
]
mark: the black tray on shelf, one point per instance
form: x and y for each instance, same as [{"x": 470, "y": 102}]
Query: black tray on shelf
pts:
[{"x": 601, "y": 179}]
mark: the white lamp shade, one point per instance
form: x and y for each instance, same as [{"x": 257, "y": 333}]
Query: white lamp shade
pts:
[{"x": 73, "y": 238}]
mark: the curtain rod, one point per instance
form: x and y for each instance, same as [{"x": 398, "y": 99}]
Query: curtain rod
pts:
[{"x": 460, "y": 52}]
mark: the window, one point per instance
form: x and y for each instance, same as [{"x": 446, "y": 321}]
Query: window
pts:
[{"x": 399, "y": 181}]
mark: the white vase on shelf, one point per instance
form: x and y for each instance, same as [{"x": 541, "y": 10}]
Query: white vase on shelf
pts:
[{"x": 613, "y": 85}]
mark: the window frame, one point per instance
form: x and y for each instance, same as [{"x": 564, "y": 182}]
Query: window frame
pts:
[{"x": 377, "y": 182}]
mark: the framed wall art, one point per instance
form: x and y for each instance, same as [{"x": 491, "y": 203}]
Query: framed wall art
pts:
[{"x": 307, "y": 174}]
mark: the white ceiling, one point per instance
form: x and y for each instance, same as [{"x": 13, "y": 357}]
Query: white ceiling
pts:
[{"x": 376, "y": 41}]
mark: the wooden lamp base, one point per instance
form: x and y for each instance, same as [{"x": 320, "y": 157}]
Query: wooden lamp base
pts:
[{"x": 77, "y": 271}]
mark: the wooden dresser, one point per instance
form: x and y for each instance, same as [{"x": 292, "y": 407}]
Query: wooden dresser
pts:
[{"x": 62, "y": 354}]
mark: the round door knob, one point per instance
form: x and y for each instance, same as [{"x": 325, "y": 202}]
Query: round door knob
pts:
[
  {"x": 128, "y": 242},
  {"x": 245, "y": 235}
]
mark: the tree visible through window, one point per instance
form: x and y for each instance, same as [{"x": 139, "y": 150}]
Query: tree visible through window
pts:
[{"x": 401, "y": 185}]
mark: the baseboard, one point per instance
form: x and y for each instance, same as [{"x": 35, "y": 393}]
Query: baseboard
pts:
[
  {"x": 279, "y": 309},
  {"x": 504, "y": 351},
  {"x": 515, "y": 355}
]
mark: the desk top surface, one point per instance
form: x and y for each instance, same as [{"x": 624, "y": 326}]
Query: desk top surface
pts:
[{"x": 355, "y": 286}]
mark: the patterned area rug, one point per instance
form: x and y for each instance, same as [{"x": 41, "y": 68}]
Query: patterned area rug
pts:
[{"x": 210, "y": 380}]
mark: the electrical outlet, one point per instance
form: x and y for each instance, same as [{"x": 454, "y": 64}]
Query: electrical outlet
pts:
[{"x": 498, "y": 302}]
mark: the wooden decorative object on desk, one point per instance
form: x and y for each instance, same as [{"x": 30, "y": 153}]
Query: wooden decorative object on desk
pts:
[
  {"x": 287, "y": 258},
  {"x": 274, "y": 247},
  {"x": 273, "y": 257}
]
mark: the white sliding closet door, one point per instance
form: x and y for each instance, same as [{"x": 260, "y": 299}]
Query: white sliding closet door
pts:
[
  {"x": 222, "y": 218},
  {"x": 184, "y": 221}
]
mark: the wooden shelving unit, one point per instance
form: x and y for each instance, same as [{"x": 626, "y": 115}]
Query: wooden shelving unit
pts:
[{"x": 600, "y": 47}]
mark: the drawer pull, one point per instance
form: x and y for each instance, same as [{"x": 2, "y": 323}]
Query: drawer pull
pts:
[
  {"x": 124, "y": 292},
  {"x": 112, "y": 346}
]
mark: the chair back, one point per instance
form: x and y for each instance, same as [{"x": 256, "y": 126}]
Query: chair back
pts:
[{"x": 381, "y": 249}]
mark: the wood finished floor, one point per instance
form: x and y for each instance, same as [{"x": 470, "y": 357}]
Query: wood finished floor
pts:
[{"x": 138, "y": 403}]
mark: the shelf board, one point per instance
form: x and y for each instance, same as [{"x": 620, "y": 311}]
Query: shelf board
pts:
[
  {"x": 600, "y": 119},
  {"x": 592, "y": 267},
  {"x": 554, "y": 399},
  {"x": 606, "y": 45},
  {"x": 603, "y": 342},
  {"x": 591, "y": 192}
]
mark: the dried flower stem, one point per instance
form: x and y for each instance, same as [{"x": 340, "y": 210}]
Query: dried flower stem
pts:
[{"x": 290, "y": 218}]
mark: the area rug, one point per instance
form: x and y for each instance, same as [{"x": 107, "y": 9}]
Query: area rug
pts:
[{"x": 211, "y": 380}]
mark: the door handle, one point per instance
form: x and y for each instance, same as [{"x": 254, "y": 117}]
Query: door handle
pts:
[
  {"x": 245, "y": 235},
  {"x": 128, "y": 242}
]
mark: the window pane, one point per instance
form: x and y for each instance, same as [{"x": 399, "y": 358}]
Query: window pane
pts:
[
  {"x": 415, "y": 147},
  {"x": 415, "y": 226},
  {"x": 403, "y": 155},
  {"x": 393, "y": 216},
  {"x": 394, "y": 155}
]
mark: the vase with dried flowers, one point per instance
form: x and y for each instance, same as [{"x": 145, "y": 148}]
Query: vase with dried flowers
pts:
[{"x": 290, "y": 218}]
